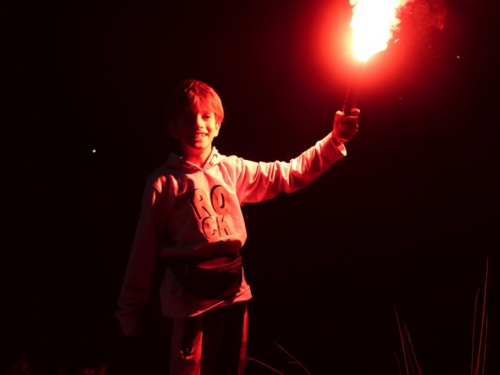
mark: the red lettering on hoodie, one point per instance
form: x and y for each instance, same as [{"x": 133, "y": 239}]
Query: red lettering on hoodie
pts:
[{"x": 212, "y": 212}]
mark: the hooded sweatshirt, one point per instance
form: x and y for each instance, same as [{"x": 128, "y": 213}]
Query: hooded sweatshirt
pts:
[{"x": 192, "y": 211}]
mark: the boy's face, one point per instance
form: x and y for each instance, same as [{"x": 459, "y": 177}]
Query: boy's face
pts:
[{"x": 195, "y": 129}]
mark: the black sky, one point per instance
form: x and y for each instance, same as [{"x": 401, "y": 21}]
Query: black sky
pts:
[{"x": 407, "y": 219}]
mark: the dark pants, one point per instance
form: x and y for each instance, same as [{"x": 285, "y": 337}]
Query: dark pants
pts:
[{"x": 211, "y": 343}]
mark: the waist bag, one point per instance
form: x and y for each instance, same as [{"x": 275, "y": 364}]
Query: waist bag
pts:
[{"x": 209, "y": 278}]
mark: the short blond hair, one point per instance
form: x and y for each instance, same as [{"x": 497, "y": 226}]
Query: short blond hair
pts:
[{"x": 194, "y": 94}]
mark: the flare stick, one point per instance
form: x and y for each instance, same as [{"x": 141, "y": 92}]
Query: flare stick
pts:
[{"x": 351, "y": 96}]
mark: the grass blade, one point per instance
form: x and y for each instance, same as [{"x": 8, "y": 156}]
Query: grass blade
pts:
[
  {"x": 474, "y": 333},
  {"x": 482, "y": 340},
  {"x": 265, "y": 365},
  {"x": 412, "y": 350},
  {"x": 403, "y": 344},
  {"x": 291, "y": 356}
]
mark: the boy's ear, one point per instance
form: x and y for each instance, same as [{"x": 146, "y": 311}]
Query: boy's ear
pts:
[
  {"x": 173, "y": 130},
  {"x": 217, "y": 127}
]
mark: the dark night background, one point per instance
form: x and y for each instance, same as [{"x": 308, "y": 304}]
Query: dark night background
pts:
[{"x": 408, "y": 219}]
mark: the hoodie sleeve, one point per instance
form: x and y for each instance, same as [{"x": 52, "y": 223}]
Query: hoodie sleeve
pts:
[
  {"x": 261, "y": 181},
  {"x": 139, "y": 274}
]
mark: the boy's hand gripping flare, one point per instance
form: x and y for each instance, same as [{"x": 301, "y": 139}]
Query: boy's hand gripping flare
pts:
[{"x": 345, "y": 127}]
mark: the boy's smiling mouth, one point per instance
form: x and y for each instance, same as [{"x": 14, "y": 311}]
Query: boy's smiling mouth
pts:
[{"x": 199, "y": 135}]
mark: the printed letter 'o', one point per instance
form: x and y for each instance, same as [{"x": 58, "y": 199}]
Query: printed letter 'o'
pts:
[{"x": 219, "y": 198}]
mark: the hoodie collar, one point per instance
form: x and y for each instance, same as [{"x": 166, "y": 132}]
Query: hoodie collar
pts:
[{"x": 178, "y": 162}]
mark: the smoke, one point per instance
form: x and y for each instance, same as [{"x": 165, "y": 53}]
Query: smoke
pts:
[{"x": 426, "y": 13}]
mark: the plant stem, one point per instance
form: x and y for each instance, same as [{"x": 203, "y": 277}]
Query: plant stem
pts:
[
  {"x": 413, "y": 350},
  {"x": 482, "y": 320},
  {"x": 263, "y": 364},
  {"x": 291, "y": 356},
  {"x": 474, "y": 333},
  {"x": 485, "y": 341},
  {"x": 402, "y": 339}
]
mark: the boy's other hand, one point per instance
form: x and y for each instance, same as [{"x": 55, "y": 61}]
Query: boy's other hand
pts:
[{"x": 345, "y": 127}]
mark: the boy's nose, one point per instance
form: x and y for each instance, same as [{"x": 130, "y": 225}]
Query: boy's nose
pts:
[{"x": 199, "y": 121}]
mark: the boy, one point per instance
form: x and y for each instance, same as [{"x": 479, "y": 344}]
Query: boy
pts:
[{"x": 191, "y": 213}]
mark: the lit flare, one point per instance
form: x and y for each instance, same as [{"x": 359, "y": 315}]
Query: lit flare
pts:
[{"x": 373, "y": 22}]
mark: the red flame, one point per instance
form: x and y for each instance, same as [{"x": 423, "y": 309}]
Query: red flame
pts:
[{"x": 373, "y": 23}]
